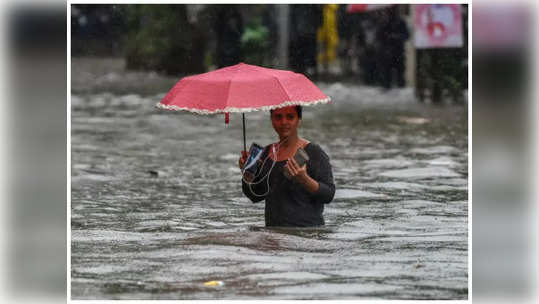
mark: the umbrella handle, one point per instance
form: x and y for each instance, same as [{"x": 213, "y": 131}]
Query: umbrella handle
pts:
[{"x": 244, "y": 146}]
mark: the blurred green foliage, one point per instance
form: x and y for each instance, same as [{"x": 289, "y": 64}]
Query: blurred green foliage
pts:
[
  {"x": 255, "y": 41},
  {"x": 160, "y": 38}
]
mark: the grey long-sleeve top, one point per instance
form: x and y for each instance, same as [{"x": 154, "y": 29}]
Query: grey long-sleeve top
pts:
[{"x": 288, "y": 203}]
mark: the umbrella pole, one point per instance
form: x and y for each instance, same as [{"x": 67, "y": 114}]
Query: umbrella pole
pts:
[{"x": 244, "y": 146}]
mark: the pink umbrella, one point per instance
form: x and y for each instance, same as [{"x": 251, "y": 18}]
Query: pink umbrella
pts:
[
  {"x": 241, "y": 88},
  {"x": 359, "y": 8}
]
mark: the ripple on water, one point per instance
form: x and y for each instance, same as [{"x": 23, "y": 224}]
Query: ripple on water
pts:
[
  {"x": 296, "y": 276},
  {"x": 420, "y": 173},
  {"x": 398, "y": 162},
  {"x": 91, "y": 178},
  {"x": 346, "y": 288},
  {"x": 454, "y": 181},
  {"x": 118, "y": 236},
  {"x": 343, "y": 194},
  {"x": 442, "y": 161},
  {"x": 395, "y": 185},
  {"x": 435, "y": 150},
  {"x": 104, "y": 269},
  {"x": 229, "y": 156},
  {"x": 156, "y": 225}
]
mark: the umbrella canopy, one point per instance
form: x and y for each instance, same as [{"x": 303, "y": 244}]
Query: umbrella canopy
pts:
[
  {"x": 242, "y": 88},
  {"x": 359, "y": 8}
]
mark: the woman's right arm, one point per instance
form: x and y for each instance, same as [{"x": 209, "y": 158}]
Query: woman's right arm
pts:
[{"x": 254, "y": 191}]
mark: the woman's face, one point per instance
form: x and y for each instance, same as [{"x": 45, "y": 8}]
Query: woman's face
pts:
[{"x": 285, "y": 121}]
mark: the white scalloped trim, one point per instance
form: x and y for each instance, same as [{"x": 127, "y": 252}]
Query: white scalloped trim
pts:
[{"x": 244, "y": 110}]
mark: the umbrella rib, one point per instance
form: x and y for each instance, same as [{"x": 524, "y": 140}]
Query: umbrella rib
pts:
[
  {"x": 278, "y": 81},
  {"x": 282, "y": 88},
  {"x": 228, "y": 93},
  {"x": 228, "y": 89}
]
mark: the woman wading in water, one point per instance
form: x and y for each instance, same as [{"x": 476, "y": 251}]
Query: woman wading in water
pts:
[{"x": 299, "y": 200}]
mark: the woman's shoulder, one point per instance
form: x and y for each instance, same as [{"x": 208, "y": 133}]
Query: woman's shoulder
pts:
[
  {"x": 314, "y": 149},
  {"x": 311, "y": 146}
]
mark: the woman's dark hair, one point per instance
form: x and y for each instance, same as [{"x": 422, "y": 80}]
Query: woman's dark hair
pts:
[{"x": 299, "y": 110}]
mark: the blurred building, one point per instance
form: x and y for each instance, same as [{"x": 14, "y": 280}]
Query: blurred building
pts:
[{"x": 349, "y": 43}]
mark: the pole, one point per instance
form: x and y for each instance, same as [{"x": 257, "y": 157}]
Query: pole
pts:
[
  {"x": 243, "y": 116},
  {"x": 283, "y": 29}
]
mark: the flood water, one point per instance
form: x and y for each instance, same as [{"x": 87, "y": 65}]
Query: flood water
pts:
[{"x": 157, "y": 207}]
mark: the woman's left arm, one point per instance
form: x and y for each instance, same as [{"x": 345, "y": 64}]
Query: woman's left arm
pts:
[
  {"x": 300, "y": 175},
  {"x": 322, "y": 188}
]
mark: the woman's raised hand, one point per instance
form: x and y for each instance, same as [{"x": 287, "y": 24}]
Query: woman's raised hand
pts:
[{"x": 295, "y": 170}]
